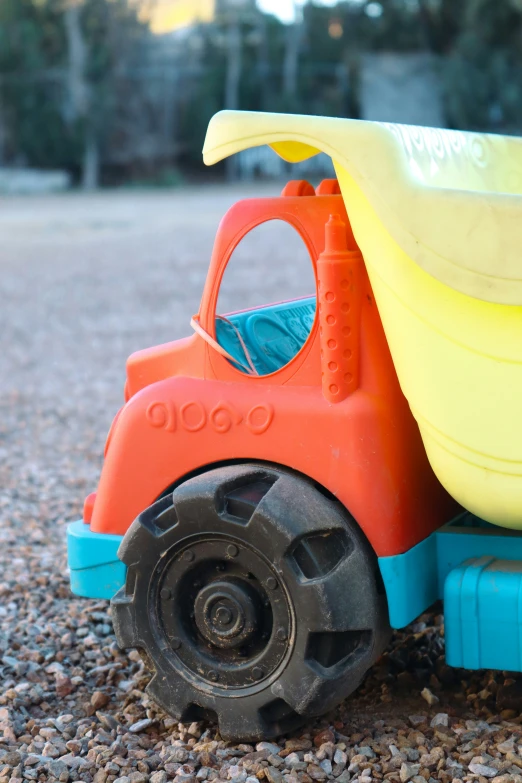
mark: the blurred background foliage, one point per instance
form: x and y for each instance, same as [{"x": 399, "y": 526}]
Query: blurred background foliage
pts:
[{"x": 90, "y": 86}]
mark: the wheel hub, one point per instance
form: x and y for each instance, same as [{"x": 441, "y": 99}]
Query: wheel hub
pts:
[{"x": 226, "y": 613}]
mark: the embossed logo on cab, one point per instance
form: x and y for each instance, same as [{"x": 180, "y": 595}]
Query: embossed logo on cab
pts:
[{"x": 192, "y": 416}]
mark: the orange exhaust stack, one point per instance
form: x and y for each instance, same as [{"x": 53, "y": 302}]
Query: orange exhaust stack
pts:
[{"x": 339, "y": 284}]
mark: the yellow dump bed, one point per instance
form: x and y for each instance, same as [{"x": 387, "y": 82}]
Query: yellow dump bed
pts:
[{"x": 438, "y": 217}]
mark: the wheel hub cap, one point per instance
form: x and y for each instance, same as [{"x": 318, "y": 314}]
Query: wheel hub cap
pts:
[
  {"x": 226, "y": 614},
  {"x": 224, "y": 611}
]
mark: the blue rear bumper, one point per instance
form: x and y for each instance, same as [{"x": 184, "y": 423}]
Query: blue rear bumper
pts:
[{"x": 93, "y": 561}]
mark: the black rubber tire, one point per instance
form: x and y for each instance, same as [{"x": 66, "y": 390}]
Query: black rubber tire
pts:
[{"x": 284, "y": 566}]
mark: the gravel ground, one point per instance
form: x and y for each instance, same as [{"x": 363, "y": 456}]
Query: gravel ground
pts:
[{"x": 83, "y": 282}]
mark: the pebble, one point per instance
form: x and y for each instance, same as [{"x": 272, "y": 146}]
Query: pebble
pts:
[
  {"x": 440, "y": 719},
  {"x": 430, "y": 697},
  {"x": 316, "y": 772},
  {"x": 408, "y": 771},
  {"x": 141, "y": 725},
  {"x": 482, "y": 769},
  {"x": 324, "y": 736},
  {"x": 326, "y": 764},
  {"x": 366, "y": 751},
  {"x": 99, "y": 699},
  {"x": 268, "y": 746},
  {"x": 272, "y": 774}
]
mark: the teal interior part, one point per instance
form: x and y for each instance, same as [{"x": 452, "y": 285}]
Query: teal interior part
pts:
[
  {"x": 95, "y": 569},
  {"x": 273, "y": 334}
]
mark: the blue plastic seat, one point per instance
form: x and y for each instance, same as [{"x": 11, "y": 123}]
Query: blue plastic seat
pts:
[{"x": 273, "y": 334}]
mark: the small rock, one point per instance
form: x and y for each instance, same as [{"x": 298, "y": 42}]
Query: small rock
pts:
[
  {"x": 31, "y": 760},
  {"x": 482, "y": 769},
  {"x": 326, "y": 764},
  {"x": 356, "y": 761},
  {"x": 273, "y": 774},
  {"x": 180, "y": 755},
  {"x": 50, "y": 750},
  {"x": 123, "y": 779},
  {"x": 408, "y": 771},
  {"x": 366, "y": 751},
  {"x": 440, "y": 719},
  {"x": 181, "y": 777},
  {"x": 417, "y": 720},
  {"x": 64, "y": 685},
  {"x": 57, "y": 768},
  {"x": 140, "y": 725},
  {"x": 324, "y": 736},
  {"x": 430, "y": 697},
  {"x": 107, "y": 721},
  {"x": 207, "y": 759},
  {"x": 271, "y": 747},
  {"x": 316, "y": 772},
  {"x": 99, "y": 699},
  {"x": 13, "y": 758},
  {"x": 298, "y": 744},
  {"x": 340, "y": 757},
  {"x": 137, "y": 777},
  {"x": 75, "y": 762},
  {"x": 326, "y": 751},
  {"x": 65, "y": 719}
]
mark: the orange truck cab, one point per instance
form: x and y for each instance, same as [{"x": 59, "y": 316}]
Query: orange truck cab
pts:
[{"x": 188, "y": 407}]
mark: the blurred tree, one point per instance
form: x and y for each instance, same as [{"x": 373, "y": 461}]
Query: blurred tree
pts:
[
  {"x": 32, "y": 45},
  {"x": 59, "y": 64},
  {"x": 114, "y": 38},
  {"x": 242, "y": 53},
  {"x": 482, "y": 68}
]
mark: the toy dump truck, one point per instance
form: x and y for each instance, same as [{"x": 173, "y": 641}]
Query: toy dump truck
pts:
[{"x": 290, "y": 482}]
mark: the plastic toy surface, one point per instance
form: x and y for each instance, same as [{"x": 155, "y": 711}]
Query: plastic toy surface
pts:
[{"x": 275, "y": 505}]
